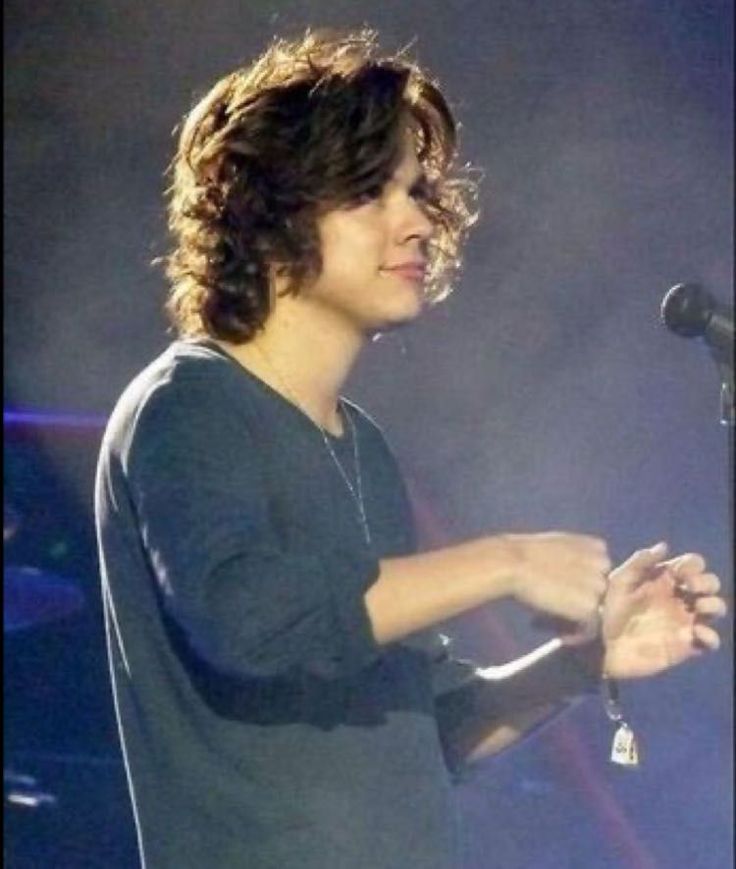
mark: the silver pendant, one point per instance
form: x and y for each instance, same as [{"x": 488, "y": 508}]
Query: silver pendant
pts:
[{"x": 624, "y": 750}]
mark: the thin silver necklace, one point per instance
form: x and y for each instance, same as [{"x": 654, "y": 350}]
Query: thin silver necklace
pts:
[{"x": 356, "y": 491}]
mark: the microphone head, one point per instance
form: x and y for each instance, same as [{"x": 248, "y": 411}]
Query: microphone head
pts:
[{"x": 687, "y": 309}]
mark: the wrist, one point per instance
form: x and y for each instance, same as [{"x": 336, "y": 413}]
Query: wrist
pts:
[{"x": 504, "y": 558}]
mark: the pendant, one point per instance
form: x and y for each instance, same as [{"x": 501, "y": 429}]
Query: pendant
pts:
[{"x": 624, "y": 750}]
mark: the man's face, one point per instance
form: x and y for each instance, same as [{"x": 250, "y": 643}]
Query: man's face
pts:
[{"x": 374, "y": 254}]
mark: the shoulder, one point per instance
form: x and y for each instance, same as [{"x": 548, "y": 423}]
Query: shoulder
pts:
[{"x": 187, "y": 387}]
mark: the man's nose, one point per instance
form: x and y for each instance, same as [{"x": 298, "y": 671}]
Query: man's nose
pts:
[{"x": 415, "y": 222}]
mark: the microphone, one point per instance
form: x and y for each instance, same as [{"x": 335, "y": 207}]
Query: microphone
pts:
[{"x": 690, "y": 311}]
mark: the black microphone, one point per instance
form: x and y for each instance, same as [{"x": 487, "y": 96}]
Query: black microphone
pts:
[{"x": 691, "y": 312}]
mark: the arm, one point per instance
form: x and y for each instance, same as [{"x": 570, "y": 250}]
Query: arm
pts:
[
  {"x": 250, "y": 607},
  {"x": 206, "y": 495},
  {"x": 503, "y": 704},
  {"x": 555, "y": 573},
  {"x": 654, "y": 618}
]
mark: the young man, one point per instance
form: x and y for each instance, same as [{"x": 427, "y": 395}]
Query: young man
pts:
[{"x": 281, "y": 697}]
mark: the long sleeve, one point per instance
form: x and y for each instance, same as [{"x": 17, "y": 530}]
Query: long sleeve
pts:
[
  {"x": 455, "y": 684},
  {"x": 198, "y": 480},
  {"x": 525, "y": 693}
]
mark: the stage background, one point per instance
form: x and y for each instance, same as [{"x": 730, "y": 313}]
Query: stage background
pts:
[{"x": 543, "y": 394}]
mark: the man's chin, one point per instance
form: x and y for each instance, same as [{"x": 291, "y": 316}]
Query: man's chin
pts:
[{"x": 393, "y": 325}]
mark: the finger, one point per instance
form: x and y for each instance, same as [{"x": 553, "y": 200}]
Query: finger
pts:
[
  {"x": 706, "y": 637},
  {"x": 704, "y": 583},
  {"x": 712, "y": 607},
  {"x": 639, "y": 566},
  {"x": 687, "y": 565}
]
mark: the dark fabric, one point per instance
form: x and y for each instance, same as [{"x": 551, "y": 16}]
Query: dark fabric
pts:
[{"x": 261, "y": 724}]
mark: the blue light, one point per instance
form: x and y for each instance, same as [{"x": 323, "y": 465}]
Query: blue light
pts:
[{"x": 44, "y": 419}]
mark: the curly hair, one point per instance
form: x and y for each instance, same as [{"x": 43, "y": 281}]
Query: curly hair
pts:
[{"x": 312, "y": 125}]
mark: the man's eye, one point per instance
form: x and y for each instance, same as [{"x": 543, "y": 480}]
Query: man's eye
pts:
[
  {"x": 369, "y": 195},
  {"x": 420, "y": 193}
]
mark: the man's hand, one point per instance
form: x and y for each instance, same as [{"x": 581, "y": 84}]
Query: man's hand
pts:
[
  {"x": 560, "y": 575},
  {"x": 656, "y": 613}
]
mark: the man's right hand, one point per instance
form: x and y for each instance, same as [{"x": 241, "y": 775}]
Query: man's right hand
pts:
[{"x": 560, "y": 574}]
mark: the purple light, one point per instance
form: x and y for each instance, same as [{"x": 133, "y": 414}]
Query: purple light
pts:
[{"x": 44, "y": 419}]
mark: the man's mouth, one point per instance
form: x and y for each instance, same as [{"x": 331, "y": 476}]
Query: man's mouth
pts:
[{"x": 409, "y": 271}]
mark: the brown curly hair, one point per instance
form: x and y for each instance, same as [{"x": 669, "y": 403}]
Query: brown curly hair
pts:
[{"x": 312, "y": 125}]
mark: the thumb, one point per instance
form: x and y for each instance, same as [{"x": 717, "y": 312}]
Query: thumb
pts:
[{"x": 636, "y": 567}]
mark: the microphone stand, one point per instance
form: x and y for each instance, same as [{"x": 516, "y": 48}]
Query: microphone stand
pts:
[{"x": 725, "y": 369}]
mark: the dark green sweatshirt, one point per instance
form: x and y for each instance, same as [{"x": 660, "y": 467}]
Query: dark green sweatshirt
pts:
[{"x": 261, "y": 724}]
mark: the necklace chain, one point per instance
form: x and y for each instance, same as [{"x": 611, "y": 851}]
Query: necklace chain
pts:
[{"x": 356, "y": 491}]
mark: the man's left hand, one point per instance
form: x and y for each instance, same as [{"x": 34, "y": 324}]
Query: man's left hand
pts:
[{"x": 657, "y": 614}]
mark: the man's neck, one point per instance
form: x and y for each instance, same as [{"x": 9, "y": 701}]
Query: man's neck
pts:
[{"x": 304, "y": 357}]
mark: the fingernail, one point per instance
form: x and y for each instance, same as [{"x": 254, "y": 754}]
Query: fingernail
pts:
[{"x": 659, "y": 548}]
